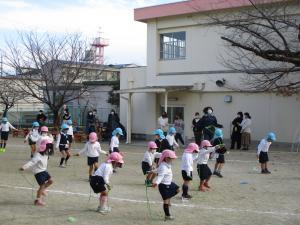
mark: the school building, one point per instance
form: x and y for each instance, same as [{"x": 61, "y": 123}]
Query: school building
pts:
[{"x": 183, "y": 75}]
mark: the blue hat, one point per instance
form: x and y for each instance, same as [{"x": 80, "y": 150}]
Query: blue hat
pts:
[
  {"x": 35, "y": 124},
  {"x": 158, "y": 132},
  {"x": 64, "y": 126},
  {"x": 69, "y": 122},
  {"x": 117, "y": 131},
  {"x": 218, "y": 133},
  {"x": 172, "y": 130},
  {"x": 4, "y": 120},
  {"x": 271, "y": 136}
]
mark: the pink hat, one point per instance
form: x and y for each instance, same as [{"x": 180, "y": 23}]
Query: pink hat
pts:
[
  {"x": 152, "y": 145},
  {"x": 192, "y": 147},
  {"x": 43, "y": 145},
  {"x": 44, "y": 129},
  {"x": 93, "y": 137},
  {"x": 167, "y": 154},
  {"x": 115, "y": 157},
  {"x": 205, "y": 143}
]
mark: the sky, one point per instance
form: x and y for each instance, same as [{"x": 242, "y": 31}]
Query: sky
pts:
[{"x": 114, "y": 18}]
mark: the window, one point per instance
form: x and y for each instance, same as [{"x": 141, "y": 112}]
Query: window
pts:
[
  {"x": 172, "y": 45},
  {"x": 172, "y": 112}
]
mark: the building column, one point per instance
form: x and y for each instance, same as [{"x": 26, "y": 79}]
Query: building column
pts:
[
  {"x": 166, "y": 102},
  {"x": 129, "y": 107}
]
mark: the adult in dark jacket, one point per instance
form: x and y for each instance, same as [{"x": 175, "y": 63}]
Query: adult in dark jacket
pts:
[
  {"x": 41, "y": 118},
  {"x": 197, "y": 129},
  {"x": 90, "y": 123},
  {"x": 236, "y": 131},
  {"x": 113, "y": 121},
  {"x": 208, "y": 123}
]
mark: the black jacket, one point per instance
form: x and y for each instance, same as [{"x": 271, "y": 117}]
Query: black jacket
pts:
[
  {"x": 236, "y": 125},
  {"x": 162, "y": 144}
]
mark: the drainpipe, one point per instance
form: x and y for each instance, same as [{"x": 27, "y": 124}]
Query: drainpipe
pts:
[
  {"x": 166, "y": 101},
  {"x": 129, "y": 107}
]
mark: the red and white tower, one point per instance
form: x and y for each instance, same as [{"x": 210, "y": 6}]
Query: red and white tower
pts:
[{"x": 98, "y": 46}]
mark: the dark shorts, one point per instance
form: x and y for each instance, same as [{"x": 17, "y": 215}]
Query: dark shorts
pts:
[
  {"x": 70, "y": 138},
  {"x": 4, "y": 135},
  {"x": 30, "y": 142},
  {"x": 263, "y": 157},
  {"x": 221, "y": 158},
  {"x": 185, "y": 177},
  {"x": 92, "y": 160},
  {"x": 63, "y": 148},
  {"x": 97, "y": 184},
  {"x": 42, "y": 177},
  {"x": 204, "y": 171},
  {"x": 146, "y": 167},
  {"x": 168, "y": 191}
]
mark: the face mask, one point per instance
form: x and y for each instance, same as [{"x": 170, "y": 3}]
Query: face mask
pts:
[
  {"x": 112, "y": 113},
  {"x": 197, "y": 117},
  {"x": 90, "y": 114},
  {"x": 209, "y": 111}
]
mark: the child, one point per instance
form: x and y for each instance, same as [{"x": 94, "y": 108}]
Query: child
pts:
[
  {"x": 70, "y": 133},
  {"x": 166, "y": 187},
  {"x": 220, "y": 157},
  {"x": 204, "y": 171},
  {"x": 4, "y": 127},
  {"x": 262, "y": 151},
  {"x": 32, "y": 137},
  {"x": 45, "y": 136},
  {"x": 39, "y": 164},
  {"x": 62, "y": 143},
  {"x": 114, "y": 142},
  {"x": 92, "y": 150},
  {"x": 171, "y": 138},
  {"x": 147, "y": 163},
  {"x": 161, "y": 142},
  {"x": 100, "y": 180},
  {"x": 187, "y": 168}
]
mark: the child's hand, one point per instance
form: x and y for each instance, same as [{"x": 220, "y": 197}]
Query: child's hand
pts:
[
  {"x": 108, "y": 187},
  {"x": 154, "y": 185},
  {"x": 21, "y": 169},
  {"x": 217, "y": 147}
]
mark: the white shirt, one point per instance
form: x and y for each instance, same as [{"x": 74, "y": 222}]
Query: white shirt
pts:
[
  {"x": 5, "y": 127},
  {"x": 114, "y": 143},
  {"x": 34, "y": 135},
  {"x": 246, "y": 125},
  {"x": 70, "y": 130},
  {"x": 92, "y": 149},
  {"x": 171, "y": 140},
  {"x": 148, "y": 157},
  {"x": 38, "y": 163},
  {"x": 263, "y": 146},
  {"x": 163, "y": 123},
  {"x": 187, "y": 162},
  {"x": 203, "y": 155},
  {"x": 105, "y": 170},
  {"x": 164, "y": 174}
]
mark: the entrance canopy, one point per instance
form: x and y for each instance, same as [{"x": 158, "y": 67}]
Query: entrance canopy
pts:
[{"x": 151, "y": 89}]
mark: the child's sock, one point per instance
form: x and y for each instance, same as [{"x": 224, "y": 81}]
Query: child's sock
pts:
[
  {"x": 0, "y": 145},
  {"x": 185, "y": 189},
  {"x": 4, "y": 145},
  {"x": 62, "y": 161},
  {"x": 67, "y": 158},
  {"x": 166, "y": 209}
]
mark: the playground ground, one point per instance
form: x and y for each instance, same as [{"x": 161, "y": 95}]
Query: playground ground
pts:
[{"x": 243, "y": 196}]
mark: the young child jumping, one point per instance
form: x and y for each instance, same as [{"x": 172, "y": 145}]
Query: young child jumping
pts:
[
  {"x": 62, "y": 143},
  {"x": 100, "y": 180},
  {"x": 39, "y": 164},
  {"x": 32, "y": 137},
  {"x": 147, "y": 163},
  {"x": 92, "y": 149},
  {"x": 4, "y": 128},
  {"x": 187, "y": 162},
  {"x": 220, "y": 157},
  {"x": 204, "y": 171},
  {"x": 262, "y": 151},
  {"x": 171, "y": 138},
  {"x": 166, "y": 187}
]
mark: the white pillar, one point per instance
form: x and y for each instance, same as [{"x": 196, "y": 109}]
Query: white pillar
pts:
[
  {"x": 166, "y": 101},
  {"x": 129, "y": 119}
]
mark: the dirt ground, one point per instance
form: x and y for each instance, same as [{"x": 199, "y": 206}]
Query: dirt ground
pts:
[{"x": 243, "y": 196}]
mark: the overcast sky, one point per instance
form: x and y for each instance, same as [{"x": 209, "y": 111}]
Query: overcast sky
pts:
[{"x": 127, "y": 38}]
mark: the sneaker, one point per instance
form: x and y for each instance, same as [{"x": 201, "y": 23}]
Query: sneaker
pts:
[
  {"x": 1, "y": 150},
  {"x": 62, "y": 166},
  {"x": 218, "y": 174},
  {"x": 39, "y": 203},
  {"x": 186, "y": 196},
  {"x": 169, "y": 218},
  {"x": 104, "y": 210},
  {"x": 267, "y": 171},
  {"x": 215, "y": 173}
]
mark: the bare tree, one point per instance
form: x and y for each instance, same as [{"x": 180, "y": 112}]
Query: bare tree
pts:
[
  {"x": 263, "y": 40},
  {"x": 9, "y": 94},
  {"x": 48, "y": 68}
]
